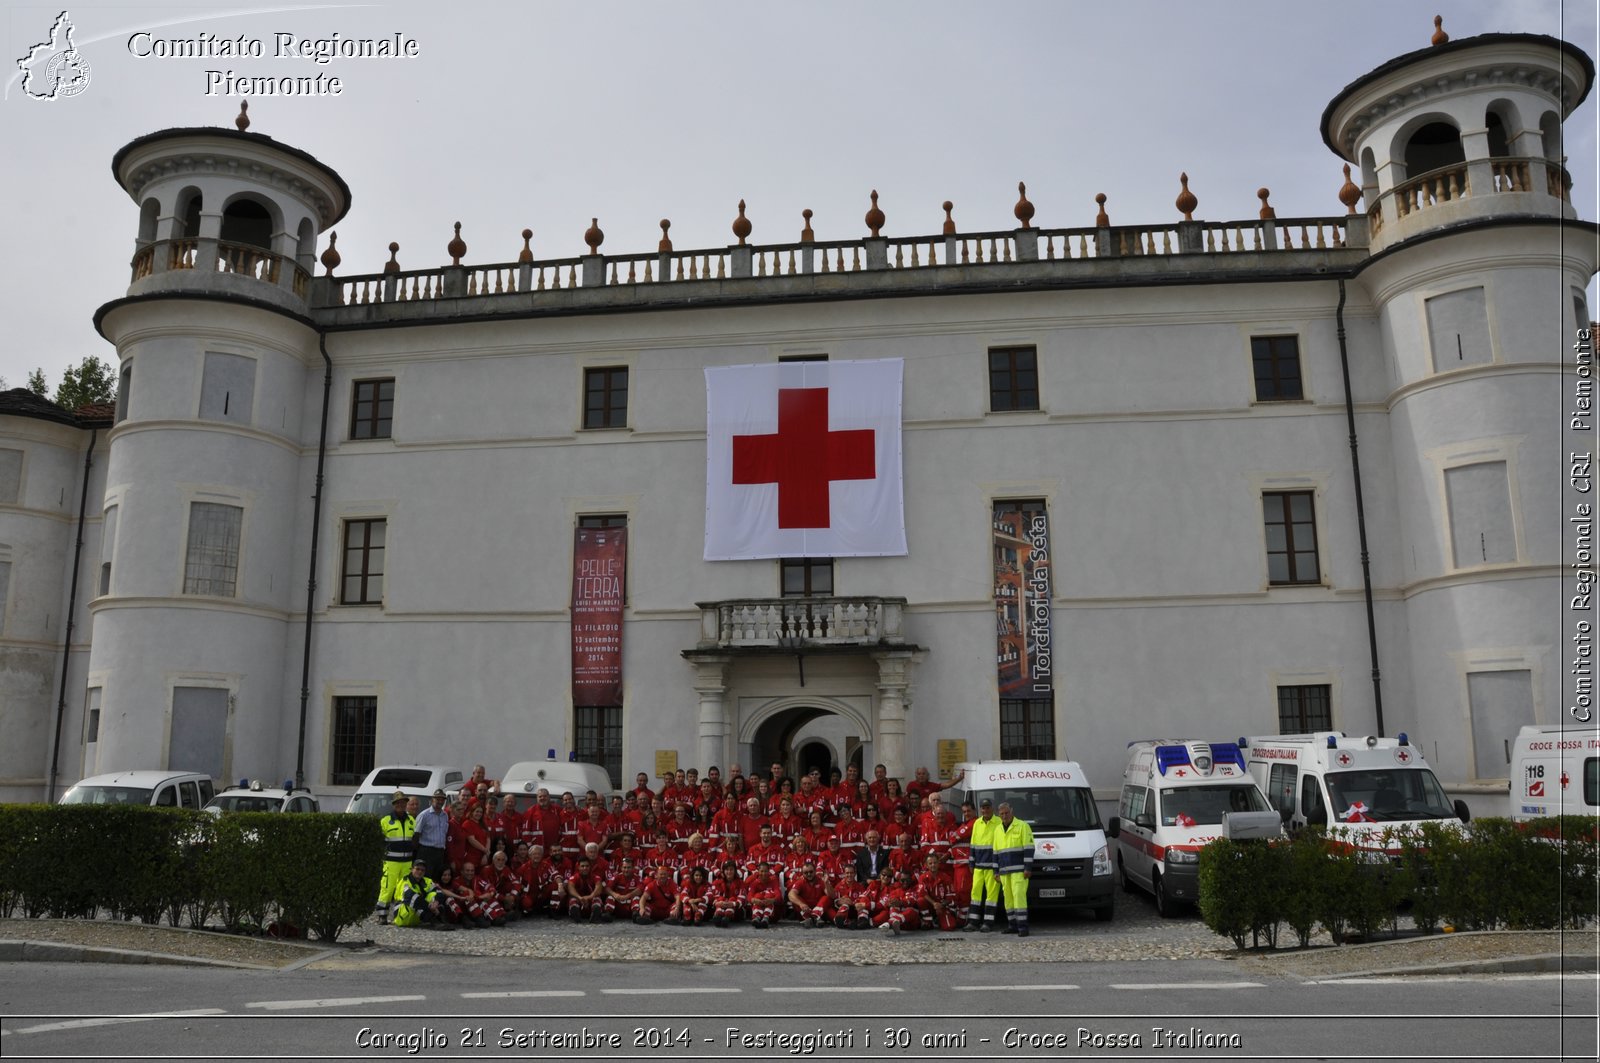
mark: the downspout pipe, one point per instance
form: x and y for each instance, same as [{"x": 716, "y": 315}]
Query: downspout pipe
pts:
[
  {"x": 72, "y": 610},
  {"x": 311, "y": 579},
  {"x": 1361, "y": 514}
]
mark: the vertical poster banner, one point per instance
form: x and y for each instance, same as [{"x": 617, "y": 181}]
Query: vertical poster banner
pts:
[
  {"x": 599, "y": 561},
  {"x": 1022, "y": 599}
]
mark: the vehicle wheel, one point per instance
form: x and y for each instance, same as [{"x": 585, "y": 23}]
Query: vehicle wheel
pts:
[
  {"x": 1104, "y": 913},
  {"x": 1122, "y": 869},
  {"x": 1166, "y": 905}
]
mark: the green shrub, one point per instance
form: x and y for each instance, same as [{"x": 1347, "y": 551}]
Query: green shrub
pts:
[
  {"x": 1241, "y": 890},
  {"x": 346, "y": 850}
]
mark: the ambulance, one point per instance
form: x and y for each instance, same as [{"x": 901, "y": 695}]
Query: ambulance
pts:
[
  {"x": 1365, "y": 786},
  {"x": 1177, "y": 796},
  {"x": 1071, "y": 855},
  {"x": 1555, "y": 771}
]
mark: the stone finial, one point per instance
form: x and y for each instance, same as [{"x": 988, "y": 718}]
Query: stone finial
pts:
[
  {"x": 393, "y": 265},
  {"x": 593, "y": 236},
  {"x": 243, "y": 121},
  {"x": 949, "y": 219},
  {"x": 1349, "y": 192},
  {"x": 526, "y": 254},
  {"x": 741, "y": 225},
  {"x": 330, "y": 257},
  {"x": 874, "y": 218},
  {"x": 1101, "y": 221},
  {"x": 456, "y": 247},
  {"x": 1439, "y": 35},
  {"x": 806, "y": 235},
  {"x": 1186, "y": 201},
  {"x": 1267, "y": 213},
  {"x": 665, "y": 245},
  {"x": 1023, "y": 211}
]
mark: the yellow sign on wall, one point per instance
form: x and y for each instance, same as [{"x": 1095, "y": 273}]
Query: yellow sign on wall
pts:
[
  {"x": 952, "y": 751},
  {"x": 666, "y": 762}
]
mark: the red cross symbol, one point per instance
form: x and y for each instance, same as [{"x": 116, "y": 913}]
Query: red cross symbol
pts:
[
  {"x": 1180, "y": 773},
  {"x": 1402, "y": 756},
  {"x": 804, "y": 457},
  {"x": 1564, "y": 780},
  {"x": 1344, "y": 759},
  {"x": 1048, "y": 847}
]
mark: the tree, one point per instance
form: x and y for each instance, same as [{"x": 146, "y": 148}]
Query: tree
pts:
[
  {"x": 91, "y": 382},
  {"x": 36, "y": 383}
]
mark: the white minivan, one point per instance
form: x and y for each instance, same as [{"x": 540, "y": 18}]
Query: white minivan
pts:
[
  {"x": 161, "y": 789},
  {"x": 376, "y": 793},
  {"x": 1175, "y": 797},
  {"x": 1071, "y": 856},
  {"x": 1555, "y": 771}
]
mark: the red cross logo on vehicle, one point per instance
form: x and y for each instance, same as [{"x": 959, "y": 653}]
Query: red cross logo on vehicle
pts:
[
  {"x": 1564, "y": 780},
  {"x": 1047, "y": 847},
  {"x": 1403, "y": 756},
  {"x": 1344, "y": 760}
]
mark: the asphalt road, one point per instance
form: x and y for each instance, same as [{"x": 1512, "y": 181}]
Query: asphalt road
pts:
[{"x": 418, "y": 1007}]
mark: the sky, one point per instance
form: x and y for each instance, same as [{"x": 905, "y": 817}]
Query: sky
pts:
[{"x": 546, "y": 113}]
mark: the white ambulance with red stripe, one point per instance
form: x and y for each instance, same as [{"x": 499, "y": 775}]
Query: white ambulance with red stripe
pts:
[
  {"x": 1555, "y": 771},
  {"x": 1364, "y": 787},
  {"x": 1175, "y": 795}
]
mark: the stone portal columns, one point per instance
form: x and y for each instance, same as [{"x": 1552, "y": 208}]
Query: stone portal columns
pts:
[
  {"x": 711, "y": 683},
  {"x": 894, "y": 699}
]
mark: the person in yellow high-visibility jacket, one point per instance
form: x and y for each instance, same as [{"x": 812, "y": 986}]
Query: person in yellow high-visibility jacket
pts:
[
  {"x": 399, "y": 849},
  {"x": 985, "y": 887},
  {"x": 1013, "y": 857}
]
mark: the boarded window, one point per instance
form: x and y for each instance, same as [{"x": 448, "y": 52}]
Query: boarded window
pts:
[
  {"x": 1481, "y": 529},
  {"x": 1458, "y": 329},
  {"x": 199, "y": 730},
  {"x": 10, "y": 475},
  {"x": 1501, "y": 704},
  {"x": 5, "y": 589},
  {"x": 108, "y": 546},
  {"x": 227, "y": 388}
]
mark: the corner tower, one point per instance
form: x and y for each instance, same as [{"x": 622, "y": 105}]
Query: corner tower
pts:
[
  {"x": 1476, "y": 279},
  {"x": 205, "y": 477}
]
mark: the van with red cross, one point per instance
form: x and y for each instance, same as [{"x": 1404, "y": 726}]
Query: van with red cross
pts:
[
  {"x": 1365, "y": 787},
  {"x": 1555, "y": 771},
  {"x": 1178, "y": 796}
]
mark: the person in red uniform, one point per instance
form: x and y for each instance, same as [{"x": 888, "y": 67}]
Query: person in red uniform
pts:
[
  {"x": 623, "y": 889},
  {"x": 961, "y": 858},
  {"x": 657, "y": 897},
  {"x": 937, "y": 895},
  {"x": 597, "y": 862},
  {"x": 936, "y": 828},
  {"x": 787, "y": 823},
  {"x": 880, "y": 781},
  {"x": 661, "y": 854},
  {"x": 503, "y": 823},
  {"x": 453, "y": 900},
  {"x": 844, "y": 791},
  {"x": 680, "y": 826},
  {"x": 817, "y": 831},
  {"x": 892, "y": 797},
  {"x": 726, "y": 895},
  {"x": 726, "y": 823},
  {"x": 810, "y": 798},
  {"x": 541, "y": 823},
  {"x": 585, "y": 892},
  {"x": 832, "y": 860},
  {"x": 486, "y": 892},
  {"x": 476, "y": 837},
  {"x": 794, "y": 861},
  {"x": 850, "y": 831},
  {"x": 629, "y": 817},
  {"x": 905, "y": 856},
  {"x": 692, "y": 900},
  {"x": 507, "y": 886},
  {"x": 751, "y": 822},
  {"x": 851, "y": 905},
  {"x": 768, "y": 850},
  {"x": 455, "y": 840},
  {"x": 594, "y": 828},
  {"x": 921, "y": 787},
  {"x": 696, "y": 855},
  {"x": 571, "y": 816},
  {"x": 899, "y": 905},
  {"x": 641, "y": 788},
  {"x": 808, "y": 896},
  {"x": 709, "y": 796},
  {"x": 762, "y": 895},
  {"x": 544, "y": 883}
]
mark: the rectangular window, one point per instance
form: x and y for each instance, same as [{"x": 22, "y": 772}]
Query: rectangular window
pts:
[
  {"x": 1500, "y": 704},
  {"x": 108, "y": 545},
  {"x": 605, "y": 397},
  {"x": 1591, "y": 781},
  {"x": 91, "y": 717},
  {"x": 1280, "y": 787},
  {"x": 227, "y": 388},
  {"x": 361, "y": 582},
  {"x": 10, "y": 475},
  {"x": 1580, "y": 312},
  {"x": 1276, "y": 360},
  {"x": 1027, "y": 729},
  {"x": 603, "y": 520},
  {"x": 211, "y": 563},
  {"x": 802, "y": 358},
  {"x": 5, "y": 590},
  {"x": 1291, "y": 537},
  {"x": 371, "y": 408},
  {"x": 355, "y": 739},
  {"x": 1303, "y": 709},
  {"x": 597, "y": 737},
  {"x": 1013, "y": 378},
  {"x": 806, "y": 577},
  {"x": 1481, "y": 529},
  {"x": 124, "y": 391},
  {"x": 1458, "y": 327}
]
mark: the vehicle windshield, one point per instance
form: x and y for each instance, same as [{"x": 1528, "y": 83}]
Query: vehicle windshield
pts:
[
  {"x": 402, "y": 777},
  {"x": 1206, "y": 805},
  {"x": 372, "y": 804},
  {"x": 1063, "y": 808},
  {"x": 106, "y": 795},
  {"x": 1387, "y": 795},
  {"x": 246, "y": 803}
]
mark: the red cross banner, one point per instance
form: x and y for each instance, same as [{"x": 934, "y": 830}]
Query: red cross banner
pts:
[{"x": 803, "y": 460}]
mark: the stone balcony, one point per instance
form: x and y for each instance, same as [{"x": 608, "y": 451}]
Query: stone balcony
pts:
[{"x": 788, "y": 625}]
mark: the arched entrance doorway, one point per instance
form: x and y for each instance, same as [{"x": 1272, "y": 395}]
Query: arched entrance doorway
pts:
[{"x": 802, "y": 735}]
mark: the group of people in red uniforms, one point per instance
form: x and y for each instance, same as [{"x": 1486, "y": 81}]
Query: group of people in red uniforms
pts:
[{"x": 846, "y": 852}]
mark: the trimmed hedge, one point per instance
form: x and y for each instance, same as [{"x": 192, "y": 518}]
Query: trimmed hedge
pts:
[
  {"x": 310, "y": 871},
  {"x": 1496, "y": 874}
]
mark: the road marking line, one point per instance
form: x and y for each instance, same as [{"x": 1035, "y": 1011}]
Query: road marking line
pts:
[
  {"x": 1186, "y": 985},
  {"x": 1487, "y": 976},
  {"x": 831, "y": 989},
  {"x": 1005, "y": 988},
  {"x": 330, "y": 1002},
  {"x": 77, "y": 1024},
  {"x": 679, "y": 991},
  {"x": 524, "y": 993}
]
